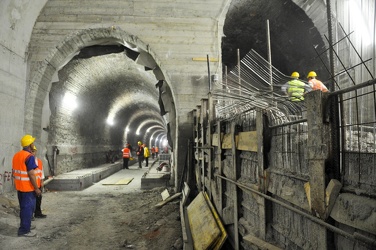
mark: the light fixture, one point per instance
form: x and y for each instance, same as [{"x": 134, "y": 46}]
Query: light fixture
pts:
[
  {"x": 110, "y": 121},
  {"x": 69, "y": 101}
]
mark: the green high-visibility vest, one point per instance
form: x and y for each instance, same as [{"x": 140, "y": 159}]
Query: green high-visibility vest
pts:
[{"x": 296, "y": 90}]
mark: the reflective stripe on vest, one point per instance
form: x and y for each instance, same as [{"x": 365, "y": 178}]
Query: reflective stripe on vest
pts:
[
  {"x": 21, "y": 178},
  {"x": 126, "y": 153},
  {"x": 296, "y": 90},
  {"x": 38, "y": 171}
]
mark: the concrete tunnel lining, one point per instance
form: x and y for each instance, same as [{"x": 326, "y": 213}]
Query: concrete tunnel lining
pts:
[
  {"x": 40, "y": 83},
  {"x": 123, "y": 104}
]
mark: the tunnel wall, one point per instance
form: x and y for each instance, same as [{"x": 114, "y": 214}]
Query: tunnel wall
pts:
[
  {"x": 271, "y": 182},
  {"x": 15, "y": 30}
]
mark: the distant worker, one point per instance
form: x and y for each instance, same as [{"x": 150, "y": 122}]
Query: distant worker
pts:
[
  {"x": 23, "y": 167},
  {"x": 127, "y": 154},
  {"x": 314, "y": 83},
  {"x": 153, "y": 152},
  {"x": 295, "y": 88},
  {"x": 140, "y": 154},
  {"x": 146, "y": 154},
  {"x": 40, "y": 179},
  {"x": 156, "y": 151}
]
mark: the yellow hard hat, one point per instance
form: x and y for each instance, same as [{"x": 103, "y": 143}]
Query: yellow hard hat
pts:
[
  {"x": 295, "y": 74},
  {"x": 311, "y": 74},
  {"x": 27, "y": 140},
  {"x": 139, "y": 142}
]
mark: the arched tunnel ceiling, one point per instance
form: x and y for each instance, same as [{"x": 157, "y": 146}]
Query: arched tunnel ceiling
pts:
[{"x": 109, "y": 86}]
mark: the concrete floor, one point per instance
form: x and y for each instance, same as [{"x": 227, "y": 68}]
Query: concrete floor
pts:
[{"x": 133, "y": 172}]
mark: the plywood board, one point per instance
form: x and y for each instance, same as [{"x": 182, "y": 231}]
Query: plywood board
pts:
[
  {"x": 220, "y": 240},
  {"x": 203, "y": 226},
  {"x": 118, "y": 182},
  {"x": 165, "y": 194},
  {"x": 247, "y": 141},
  {"x": 227, "y": 141},
  {"x": 215, "y": 139}
]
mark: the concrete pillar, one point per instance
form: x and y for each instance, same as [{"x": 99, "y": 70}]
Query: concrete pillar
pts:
[{"x": 318, "y": 149}]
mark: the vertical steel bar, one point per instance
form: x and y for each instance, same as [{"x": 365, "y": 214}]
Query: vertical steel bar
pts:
[{"x": 334, "y": 112}]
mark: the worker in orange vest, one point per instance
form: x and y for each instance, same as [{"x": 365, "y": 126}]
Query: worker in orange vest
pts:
[
  {"x": 315, "y": 83},
  {"x": 23, "y": 167},
  {"x": 40, "y": 177},
  {"x": 126, "y": 156},
  {"x": 156, "y": 151}
]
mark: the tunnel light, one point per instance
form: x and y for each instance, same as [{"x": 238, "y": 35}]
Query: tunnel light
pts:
[
  {"x": 110, "y": 121},
  {"x": 360, "y": 22},
  {"x": 69, "y": 101},
  {"x": 165, "y": 142}
]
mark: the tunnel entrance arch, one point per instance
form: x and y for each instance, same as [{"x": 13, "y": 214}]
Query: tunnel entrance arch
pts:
[{"x": 36, "y": 113}]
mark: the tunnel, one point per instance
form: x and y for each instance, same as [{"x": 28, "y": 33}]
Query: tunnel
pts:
[{"x": 86, "y": 78}]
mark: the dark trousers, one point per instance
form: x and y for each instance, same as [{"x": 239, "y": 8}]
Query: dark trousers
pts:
[
  {"x": 125, "y": 163},
  {"x": 147, "y": 161},
  {"x": 153, "y": 155},
  {"x": 140, "y": 160},
  {"x": 38, "y": 210},
  {"x": 27, "y": 206}
]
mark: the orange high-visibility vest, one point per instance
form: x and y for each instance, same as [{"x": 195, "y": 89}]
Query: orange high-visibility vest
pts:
[
  {"x": 39, "y": 171},
  {"x": 156, "y": 149},
  {"x": 21, "y": 178},
  {"x": 126, "y": 153},
  {"x": 317, "y": 85}
]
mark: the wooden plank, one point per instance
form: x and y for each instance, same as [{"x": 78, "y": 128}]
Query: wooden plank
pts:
[
  {"x": 218, "y": 244},
  {"x": 186, "y": 191},
  {"x": 217, "y": 139},
  {"x": 204, "y": 59},
  {"x": 202, "y": 224},
  {"x": 162, "y": 203},
  {"x": 183, "y": 223},
  {"x": 261, "y": 244},
  {"x": 227, "y": 141},
  {"x": 247, "y": 141},
  {"x": 235, "y": 195}
]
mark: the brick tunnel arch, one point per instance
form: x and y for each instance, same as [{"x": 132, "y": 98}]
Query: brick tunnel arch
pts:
[{"x": 45, "y": 71}]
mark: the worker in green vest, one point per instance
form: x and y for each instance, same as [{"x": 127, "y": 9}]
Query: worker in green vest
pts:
[{"x": 295, "y": 88}]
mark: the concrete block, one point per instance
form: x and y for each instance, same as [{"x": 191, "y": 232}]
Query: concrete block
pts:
[
  {"x": 149, "y": 183},
  {"x": 70, "y": 182},
  {"x": 355, "y": 211}
]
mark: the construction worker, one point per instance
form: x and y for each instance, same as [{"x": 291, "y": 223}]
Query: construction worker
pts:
[
  {"x": 156, "y": 151},
  {"x": 140, "y": 154},
  {"x": 40, "y": 179},
  {"x": 153, "y": 152},
  {"x": 295, "y": 89},
  {"x": 146, "y": 154},
  {"x": 314, "y": 83},
  {"x": 23, "y": 168},
  {"x": 126, "y": 155}
]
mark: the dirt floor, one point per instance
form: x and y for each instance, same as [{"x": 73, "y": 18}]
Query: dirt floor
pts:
[{"x": 112, "y": 219}]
